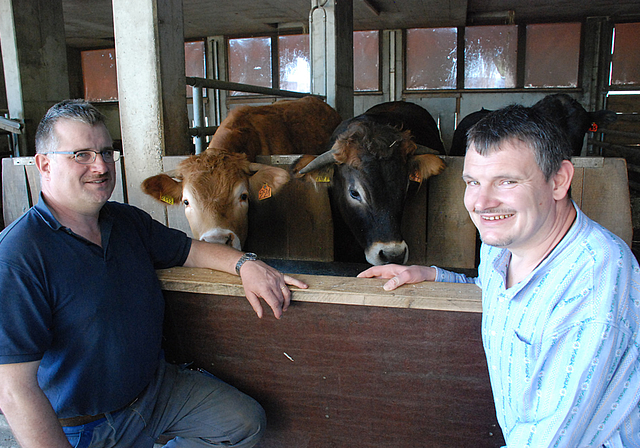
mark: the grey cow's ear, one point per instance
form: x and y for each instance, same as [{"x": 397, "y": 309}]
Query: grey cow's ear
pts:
[{"x": 424, "y": 166}]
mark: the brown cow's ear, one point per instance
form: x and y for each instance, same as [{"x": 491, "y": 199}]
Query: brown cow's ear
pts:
[
  {"x": 424, "y": 166},
  {"x": 163, "y": 188},
  {"x": 267, "y": 181}
]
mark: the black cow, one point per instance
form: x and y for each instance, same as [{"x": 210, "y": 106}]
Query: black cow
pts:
[
  {"x": 459, "y": 140},
  {"x": 562, "y": 109},
  {"x": 374, "y": 157}
]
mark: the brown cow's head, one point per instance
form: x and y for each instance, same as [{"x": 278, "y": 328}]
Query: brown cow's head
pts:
[{"x": 216, "y": 188}]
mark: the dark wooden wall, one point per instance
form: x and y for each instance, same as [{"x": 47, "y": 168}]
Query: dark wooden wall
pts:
[{"x": 335, "y": 375}]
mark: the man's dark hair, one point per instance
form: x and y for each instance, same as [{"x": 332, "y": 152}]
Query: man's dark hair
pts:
[
  {"x": 548, "y": 142},
  {"x": 78, "y": 110}
]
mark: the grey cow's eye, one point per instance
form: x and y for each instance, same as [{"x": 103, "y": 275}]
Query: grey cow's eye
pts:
[{"x": 355, "y": 194}]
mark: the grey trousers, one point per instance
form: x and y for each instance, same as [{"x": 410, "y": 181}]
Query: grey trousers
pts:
[{"x": 194, "y": 408}]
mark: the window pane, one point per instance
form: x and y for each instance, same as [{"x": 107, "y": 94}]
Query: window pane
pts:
[
  {"x": 194, "y": 62},
  {"x": 490, "y": 57},
  {"x": 431, "y": 58},
  {"x": 366, "y": 61},
  {"x": 295, "y": 68},
  {"x": 553, "y": 55},
  {"x": 625, "y": 61},
  {"x": 250, "y": 61},
  {"x": 99, "y": 75}
]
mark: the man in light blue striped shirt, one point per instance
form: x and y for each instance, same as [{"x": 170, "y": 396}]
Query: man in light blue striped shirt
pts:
[{"x": 560, "y": 293}]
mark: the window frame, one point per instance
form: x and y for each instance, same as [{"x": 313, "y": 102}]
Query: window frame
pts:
[{"x": 520, "y": 65}]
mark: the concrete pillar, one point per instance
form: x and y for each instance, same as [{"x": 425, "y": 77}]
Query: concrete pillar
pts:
[
  {"x": 149, "y": 38},
  {"x": 331, "y": 34},
  {"x": 35, "y": 61}
]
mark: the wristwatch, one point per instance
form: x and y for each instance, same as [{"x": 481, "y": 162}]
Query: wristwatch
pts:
[{"x": 249, "y": 256}]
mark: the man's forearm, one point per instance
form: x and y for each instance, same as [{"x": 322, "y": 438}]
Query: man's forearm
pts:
[
  {"x": 212, "y": 256},
  {"x": 32, "y": 420}
]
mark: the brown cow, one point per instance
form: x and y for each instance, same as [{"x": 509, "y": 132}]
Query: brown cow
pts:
[
  {"x": 217, "y": 185},
  {"x": 215, "y": 188},
  {"x": 301, "y": 126}
]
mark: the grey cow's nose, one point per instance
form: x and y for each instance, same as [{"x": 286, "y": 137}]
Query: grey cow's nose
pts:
[{"x": 393, "y": 257}]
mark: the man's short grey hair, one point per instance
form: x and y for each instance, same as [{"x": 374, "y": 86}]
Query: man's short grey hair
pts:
[
  {"x": 78, "y": 110},
  {"x": 548, "y": 142}
]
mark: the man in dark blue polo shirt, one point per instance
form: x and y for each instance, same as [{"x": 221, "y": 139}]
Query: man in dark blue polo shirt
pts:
[{"x": 82, "y": 310}]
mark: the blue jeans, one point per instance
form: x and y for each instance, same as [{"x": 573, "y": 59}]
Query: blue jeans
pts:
[{"x": 195, "y": 409}]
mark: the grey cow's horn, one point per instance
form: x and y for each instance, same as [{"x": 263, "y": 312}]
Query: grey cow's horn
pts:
[{"x": 319, "y": 162}]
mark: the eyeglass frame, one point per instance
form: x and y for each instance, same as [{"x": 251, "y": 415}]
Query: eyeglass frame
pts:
[{"x": 95, "y": 154}]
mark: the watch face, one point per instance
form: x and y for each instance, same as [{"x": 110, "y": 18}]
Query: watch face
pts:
[{"x": 249, "y": 256}]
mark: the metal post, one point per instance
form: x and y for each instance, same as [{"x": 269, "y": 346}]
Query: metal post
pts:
[{"x": 198, "y": 117}]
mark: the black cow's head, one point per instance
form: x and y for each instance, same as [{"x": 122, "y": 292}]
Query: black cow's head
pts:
[{"x": 373, "y": 165}]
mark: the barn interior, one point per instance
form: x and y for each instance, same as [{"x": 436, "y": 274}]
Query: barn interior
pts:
[
  {"x": 80, "y": 30},
  {"x": 88, "y": 35}
]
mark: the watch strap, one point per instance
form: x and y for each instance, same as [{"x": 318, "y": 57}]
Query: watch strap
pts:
[{"x": 249, "y": 256}]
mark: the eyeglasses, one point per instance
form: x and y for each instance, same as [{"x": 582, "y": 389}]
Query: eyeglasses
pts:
[{"x": 88, "y": 156}]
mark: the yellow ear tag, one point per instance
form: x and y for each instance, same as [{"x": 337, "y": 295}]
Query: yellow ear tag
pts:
[
  {"x": 167, "y": 199},
  {"x": 415, "y": 176},
  {"x": 324, "y": 176},
  {"x": 264, "y": 193}
]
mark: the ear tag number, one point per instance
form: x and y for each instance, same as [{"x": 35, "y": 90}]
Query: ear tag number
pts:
[
  {"x": 593, "y": 127},
  {"x": 264, "y": 193},
  {"x": 415, "y": 177},
  {"x": 167, "y": 199},
  {"x": 324, "y": 176}
]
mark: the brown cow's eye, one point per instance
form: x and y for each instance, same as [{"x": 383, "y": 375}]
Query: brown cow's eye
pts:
[
  {"x": 186, "y": 202},
  {"x": 244, "y": 196}
]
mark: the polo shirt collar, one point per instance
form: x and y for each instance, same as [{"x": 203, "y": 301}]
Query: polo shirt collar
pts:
[{"x": 105, "y": 219}]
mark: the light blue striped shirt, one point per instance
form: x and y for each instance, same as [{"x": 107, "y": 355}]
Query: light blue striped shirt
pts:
[{"x": 562, "y": 345}]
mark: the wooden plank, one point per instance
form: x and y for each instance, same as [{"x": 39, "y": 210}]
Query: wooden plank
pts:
[
  {"x": 336, "y": 290},
  {"x": 451, "y": 235},
  {"x": 16, "y": 197},
  {"x": 577, "y": 185},
  {"x": 119, "y": 193},
  {"x": 294, "y": 224},
  {"x": 414, "y": 224},
  {"x": 328, "y": 374},
  {"x": 606, "y": 198}
]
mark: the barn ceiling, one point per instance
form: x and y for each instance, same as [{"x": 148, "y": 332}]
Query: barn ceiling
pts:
[{"x": 92, "y": 26}]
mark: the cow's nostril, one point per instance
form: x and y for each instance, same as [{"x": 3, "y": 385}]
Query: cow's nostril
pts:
[{"x": 392, "y": 257}]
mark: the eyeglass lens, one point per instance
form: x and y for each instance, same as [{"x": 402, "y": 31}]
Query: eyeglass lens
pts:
[{"x": 86, "y": 157}]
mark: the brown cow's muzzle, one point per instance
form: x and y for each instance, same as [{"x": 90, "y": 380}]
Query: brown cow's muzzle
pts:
[{"x": 222, "y": 236}]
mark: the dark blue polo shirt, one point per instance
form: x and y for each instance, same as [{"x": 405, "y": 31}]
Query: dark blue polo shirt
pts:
[{"x": 92, "y": 315}]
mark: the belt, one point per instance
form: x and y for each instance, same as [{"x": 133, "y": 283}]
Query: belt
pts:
[
  {"x": 81, "y": 420},
  {"x": 86, "y": 419}
]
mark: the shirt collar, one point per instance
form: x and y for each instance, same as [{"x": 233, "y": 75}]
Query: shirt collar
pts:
[{"x": 47, "y": 216}]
